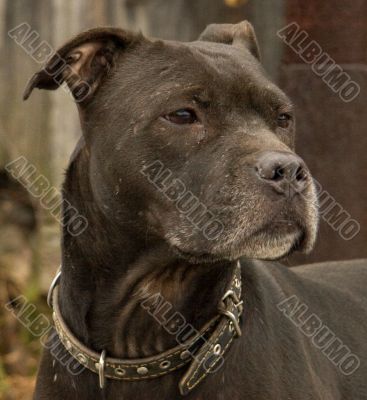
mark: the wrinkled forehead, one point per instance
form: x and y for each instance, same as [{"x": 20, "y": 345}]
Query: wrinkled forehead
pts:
[
  {"x": 224, "y": 58},
  {"x": 212, "y": 68}
]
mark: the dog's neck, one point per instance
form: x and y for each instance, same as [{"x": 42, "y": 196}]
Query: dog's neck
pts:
[{"x": 109, "y": 271}]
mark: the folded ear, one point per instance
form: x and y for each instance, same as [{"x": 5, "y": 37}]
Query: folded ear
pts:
[
  {"x": 82, "y": 62},
  {"x": 241, "y": 34}
]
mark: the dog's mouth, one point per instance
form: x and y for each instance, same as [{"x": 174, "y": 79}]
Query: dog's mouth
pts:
[
  {"x": 276, "y": 240},
  {"x": 282, "y": 234},
  {"x": 196, "y": 257},
  {"x": 284, "y": 228}
]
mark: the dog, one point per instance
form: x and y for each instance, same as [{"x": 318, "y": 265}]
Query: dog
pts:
[{"x": 187, "y": 176}]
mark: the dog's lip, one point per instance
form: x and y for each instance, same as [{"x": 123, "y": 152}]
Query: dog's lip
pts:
[
  {"x": 195, "y": 257},
  {"x": 283, "y": 226},
  {"x": 279, "y": 225},
  {"x": 300, "y": 241},
  {"x": 286, "y": 226}
]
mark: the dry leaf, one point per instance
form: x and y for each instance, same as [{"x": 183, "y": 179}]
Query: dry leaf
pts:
[{"x": 235, "y": 3}]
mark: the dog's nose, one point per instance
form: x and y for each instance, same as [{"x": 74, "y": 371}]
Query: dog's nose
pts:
[{"x": 285, "y": 172}]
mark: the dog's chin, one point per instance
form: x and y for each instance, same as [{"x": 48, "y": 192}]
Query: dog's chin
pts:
[
  {"x": 270, "y": 243},
  {"x": 267, "y": 246}
]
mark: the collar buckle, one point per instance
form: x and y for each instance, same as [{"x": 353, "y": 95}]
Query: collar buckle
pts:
[
  {"x": 101, "y": 367},
  {"x": 237, "y": 302}
]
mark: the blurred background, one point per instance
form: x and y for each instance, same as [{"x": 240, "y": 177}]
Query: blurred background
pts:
[{"x": 332, "y": 136}]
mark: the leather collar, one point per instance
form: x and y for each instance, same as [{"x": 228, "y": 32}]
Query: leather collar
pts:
[{"x": 204, "y": 352}]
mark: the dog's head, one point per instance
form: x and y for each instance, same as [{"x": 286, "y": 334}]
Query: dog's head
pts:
[{"x": 192, "y": 139}]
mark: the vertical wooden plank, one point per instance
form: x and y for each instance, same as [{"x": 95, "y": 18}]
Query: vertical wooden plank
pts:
[{"x": 331, "y": 132}]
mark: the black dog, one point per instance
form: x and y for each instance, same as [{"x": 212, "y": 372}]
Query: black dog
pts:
[{"x": 187, "y": 164}]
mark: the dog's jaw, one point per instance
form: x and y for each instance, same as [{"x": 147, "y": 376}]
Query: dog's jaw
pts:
[{"x": 262, "y": 245}]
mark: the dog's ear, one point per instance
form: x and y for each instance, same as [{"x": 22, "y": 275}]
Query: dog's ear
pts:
[
  {"x": 82, "y": 62},
  {"x": 241, "y": 34}
]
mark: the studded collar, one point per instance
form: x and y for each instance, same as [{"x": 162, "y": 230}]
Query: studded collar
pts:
[{"x": 203, "y": 353}]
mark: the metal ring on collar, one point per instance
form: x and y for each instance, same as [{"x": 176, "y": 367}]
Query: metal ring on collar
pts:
[
  {"x": 234, "y": 321},
  {"x": 237, "y": 302},
  {"x": 54, "y": 283}
]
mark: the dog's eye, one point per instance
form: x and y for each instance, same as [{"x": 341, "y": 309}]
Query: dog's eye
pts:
[
  {"x": 284, "y": 120},
  {"x": 182, "y": 116}
]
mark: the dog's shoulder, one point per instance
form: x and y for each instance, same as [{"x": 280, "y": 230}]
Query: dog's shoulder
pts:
[{"x": 343, "y": 274}]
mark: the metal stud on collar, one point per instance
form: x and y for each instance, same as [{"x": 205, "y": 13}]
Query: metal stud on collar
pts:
[
  {"x": 165, "y": 364},
  {"x": 217, "y": 349}
]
